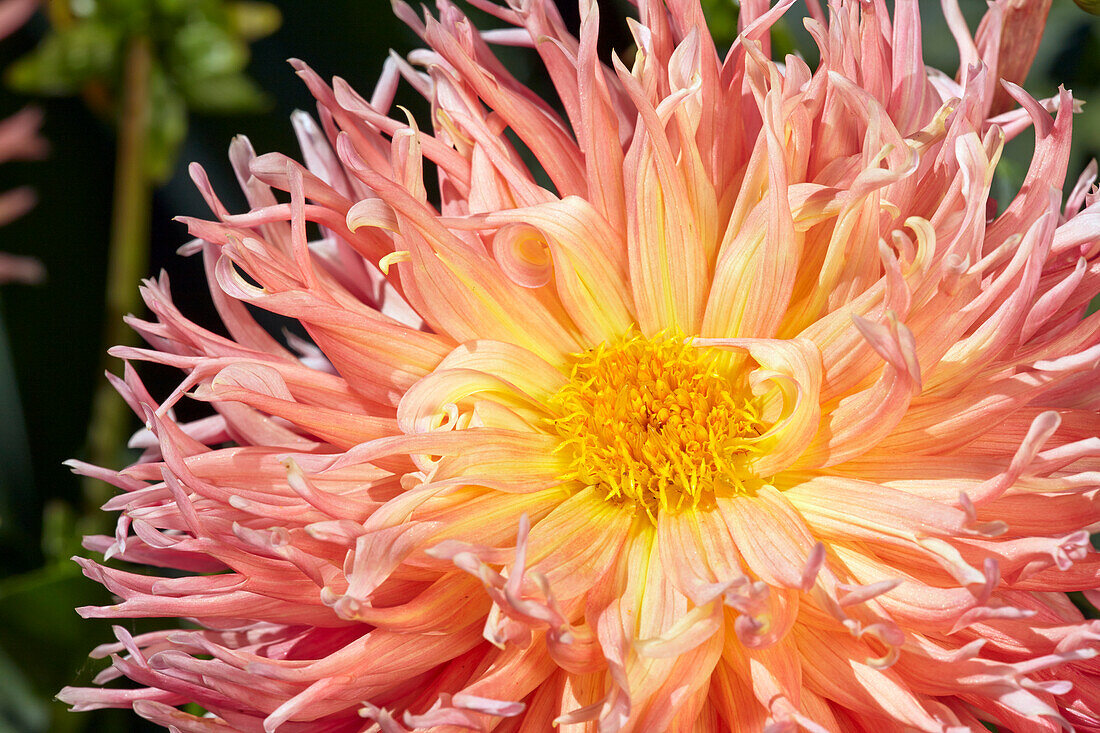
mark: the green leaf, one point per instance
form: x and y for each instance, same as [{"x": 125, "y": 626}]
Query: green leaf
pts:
[
  {"x": 1089, "y": 6},
  {"x": 253, "y": 20},
  {"x": 202, "y": 49},
  {"x": 783, "y": 40},
  {"x": 20, "y": 709},
  {"x": 230, "y": 94},
  {"x": 175, "y": 9},
  {"x": 722, "y": 19},
  {"x": 37, "y": 621},
  {"x": 132, "y": 15},
  {"x": 67, "y": 59},
  {"x": 1083, "y": 605},
  {"x": 60, "y": 532},
  {"x": 167, "y": 126}
]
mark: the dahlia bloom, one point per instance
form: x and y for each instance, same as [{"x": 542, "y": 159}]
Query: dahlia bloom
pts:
[{"x": 754, "y": 412}]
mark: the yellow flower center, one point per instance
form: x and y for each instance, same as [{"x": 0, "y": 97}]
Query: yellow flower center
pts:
[{"x": 656, "y": 422}]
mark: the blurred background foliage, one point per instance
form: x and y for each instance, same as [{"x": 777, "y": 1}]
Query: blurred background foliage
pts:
[{"x": 214, "y": 56}]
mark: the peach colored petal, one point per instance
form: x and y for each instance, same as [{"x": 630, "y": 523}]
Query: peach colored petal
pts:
[
  {"x": 667, "y": 255},
  {"x": 863, "y": 418},
  {"x": 793, "y": 370},
  {"x": 778, "y": 554},
  {"x": 590, "y": 283}
]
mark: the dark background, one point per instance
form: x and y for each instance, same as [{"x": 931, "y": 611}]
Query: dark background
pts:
[{"x": 53, "y": 330}]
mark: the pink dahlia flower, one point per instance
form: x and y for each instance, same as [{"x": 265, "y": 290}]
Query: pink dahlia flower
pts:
[{"x": 753, "y": 414}]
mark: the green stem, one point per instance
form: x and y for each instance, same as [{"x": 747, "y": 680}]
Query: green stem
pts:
[{"x": 128, "y": 260}]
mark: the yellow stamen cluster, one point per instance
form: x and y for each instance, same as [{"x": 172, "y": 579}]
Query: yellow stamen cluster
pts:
[{"x": 657, "y": 422}]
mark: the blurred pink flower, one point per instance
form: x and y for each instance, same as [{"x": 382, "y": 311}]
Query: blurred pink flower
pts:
[
  {"x": 751, "y": 414},
  {"x": 14, "y": 268},
  {"x": 14, "y": 13},
  {"x": 19, "y": 140}
]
